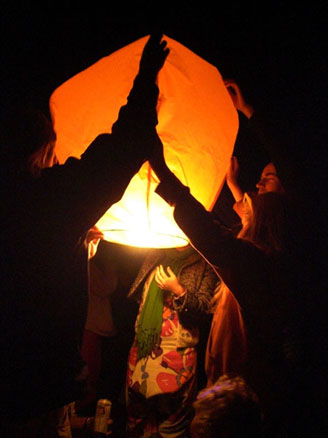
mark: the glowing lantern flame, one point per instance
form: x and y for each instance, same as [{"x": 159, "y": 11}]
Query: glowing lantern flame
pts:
[{"x": 197, "y": 124}]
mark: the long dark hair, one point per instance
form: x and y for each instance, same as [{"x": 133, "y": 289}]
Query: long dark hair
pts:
[
  {"x": 270, "y": 226},
  {"x": 27, "y": 139}
]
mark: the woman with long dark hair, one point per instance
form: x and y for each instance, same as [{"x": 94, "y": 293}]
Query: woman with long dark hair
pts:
[{"x": 255, "y": 267}]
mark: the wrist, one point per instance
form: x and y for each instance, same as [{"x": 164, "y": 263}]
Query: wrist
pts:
[
  {"x": 231, "y": 183},
  {"x": 162, "y": 172},
  {"x": 248, "y": 111},
  {"x": 179, "y": 291}
]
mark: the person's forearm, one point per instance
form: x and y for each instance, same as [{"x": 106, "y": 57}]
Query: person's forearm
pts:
[
  {"x": 139, "y": 113},
  {"x": 216, "y": 244},
  {"x": 236, "y": 191},
  {"x": 190, "y": 215},
  {"x": 247, "y": 110},
  {"x": 170, "y": 188},
  {"x": 131, "y": 136}
]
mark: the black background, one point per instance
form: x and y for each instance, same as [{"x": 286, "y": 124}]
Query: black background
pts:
[{"x": 276, "y": 51}]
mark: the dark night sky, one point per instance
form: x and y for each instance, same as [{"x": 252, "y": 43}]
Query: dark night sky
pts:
[{"x": 276, "y": 52}]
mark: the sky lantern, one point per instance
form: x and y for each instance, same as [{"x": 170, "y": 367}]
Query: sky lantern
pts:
[{"x": 197, "y": 124}]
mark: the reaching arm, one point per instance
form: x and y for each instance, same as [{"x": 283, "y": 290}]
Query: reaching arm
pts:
[
  {"x": 238, "y": 99},
  {"x": 99, "y": 179},
  {"x": 278, "y": 145},
  {"x": 218, "y": 246},
  {"x": 232, "y": 183},
  {"x": 134, "y": 130},
  {"x": 232, "y": 180}
]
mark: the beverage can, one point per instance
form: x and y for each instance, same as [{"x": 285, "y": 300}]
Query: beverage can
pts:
[{"x": 102, "y": 415}]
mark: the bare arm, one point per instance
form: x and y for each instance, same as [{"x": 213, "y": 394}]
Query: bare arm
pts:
[
  {"x": 238, "y": 98},
  {"x": 232, "y": 180}
]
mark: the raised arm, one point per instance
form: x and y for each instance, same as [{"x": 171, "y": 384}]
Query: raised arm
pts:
[
  {"x": 135, "y": 127},
  {"x": 218, "y": 246},
  {"x": 238, "y": 98},
  {"x": 232, "y": 180},
  {"x": 99, "y": 179},
  {"x": 277, "y": 142}
]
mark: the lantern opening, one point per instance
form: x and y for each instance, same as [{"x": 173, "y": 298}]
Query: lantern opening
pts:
[{"x": 145, "y": 238}]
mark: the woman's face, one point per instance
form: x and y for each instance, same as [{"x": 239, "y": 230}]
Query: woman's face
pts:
[{"x": 269, "y": 181}]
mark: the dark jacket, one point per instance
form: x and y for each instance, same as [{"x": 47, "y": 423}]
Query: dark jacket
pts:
[{"x": 43, "y": 260}]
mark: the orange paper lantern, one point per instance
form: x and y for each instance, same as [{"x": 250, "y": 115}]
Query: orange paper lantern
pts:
[{"x": 197, "y": 124}]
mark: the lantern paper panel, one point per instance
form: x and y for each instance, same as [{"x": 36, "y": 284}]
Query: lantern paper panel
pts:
[{"x": 197, "y": 124}]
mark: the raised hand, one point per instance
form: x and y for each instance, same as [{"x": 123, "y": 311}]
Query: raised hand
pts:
[
  {"x": 238, "y": 98},
  {"x": 153, "y": 56},
  {"x": 93, "y": 237},
  {"x": 168, "y": 281}
]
